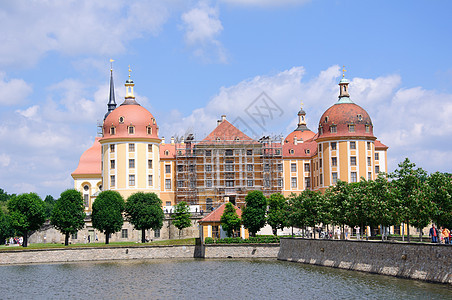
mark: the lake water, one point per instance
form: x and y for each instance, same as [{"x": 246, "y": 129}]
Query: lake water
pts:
[{"x": 205, "y": 279}]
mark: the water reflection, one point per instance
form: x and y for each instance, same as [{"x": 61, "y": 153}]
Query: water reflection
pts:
[{"x": 205, "y": 279}]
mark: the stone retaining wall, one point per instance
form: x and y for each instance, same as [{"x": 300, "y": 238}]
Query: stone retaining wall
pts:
[
  {"x": 241, "y": 251},
  {"x": 417, "y": 261}
]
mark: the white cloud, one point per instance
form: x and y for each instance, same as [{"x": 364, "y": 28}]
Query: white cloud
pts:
[
  {"x": 4, "y": 160},
  {"x": 14, "y": 91},
  {"x": 101, "y": 27},
  {"x": 266, "y": 3},
  {"x": 202, "y": 26}
]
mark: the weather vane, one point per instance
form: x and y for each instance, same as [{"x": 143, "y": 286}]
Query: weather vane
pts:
[
  {"x": 111, "y": 64},
  {"x": 129, "y": 71},
  {"x": 343, "y": 71},
  {"x": 301, "y": 103}
]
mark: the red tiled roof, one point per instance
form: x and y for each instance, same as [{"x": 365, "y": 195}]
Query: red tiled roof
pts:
[
  {"x": 299, "y": 150},
  {"x": 380, "y": 146},
  {"x": 226, "y": 132},
  {"x": 171, "y": 148},
  {"x": 90, "y": 161},
  {"x": 215, "y": 215}
]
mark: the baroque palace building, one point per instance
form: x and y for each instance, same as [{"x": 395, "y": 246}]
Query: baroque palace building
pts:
[{"x": 129, "y": 156}]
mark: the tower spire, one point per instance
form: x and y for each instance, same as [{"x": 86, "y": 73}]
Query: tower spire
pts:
[
  {"x": 111, "y": 101},
  {"x": 302, "y": 119},
  {"x": 344, "y": 96}
]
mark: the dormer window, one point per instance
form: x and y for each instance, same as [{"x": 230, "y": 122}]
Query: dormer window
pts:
[
  {"x": 112, "y": 130},
  {"x": 121, "y": 120},
  {"x": 307, "y": 151},
  {"x": 360, "y": 117},
  {"x": 326, "y": 119},
  {"x": 367, "y": 128},
  {"x": 333, "y": 129},
  {"x": 351, "y": 128},
  {"x": 166, "y": 152},
  {"x": 237, "y": 139},
  {"x": 149, "y": 130},
  {"x": 218, "y": 139},
  {"x": 131, "y": 129},
  {"x": 321, "y": 130},
  {"x": 291, "y": 151}
]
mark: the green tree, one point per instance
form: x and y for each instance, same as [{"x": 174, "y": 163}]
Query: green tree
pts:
[
  {"x": 68, "y": 214},
  {"x": 338, "y": 198},
  {"x": 144, "y": 211},
  {"x": 277, "y": 212},
  {"x": 313, "y": 208},
  {"x": 440, "y": 194},
  {"x": 408, "y": 181},
  {"x": 27, "y": 213},
  {"x": 6, "y": 230},
  {"x": 296, "y": 212},
  {"x": 181, "y": 216},
  {"x": 107, "y": 213},
  {"x": 50, "y": 203},
  {"x": 253, "y": 215},
  {"x": 230, "y": 221}
]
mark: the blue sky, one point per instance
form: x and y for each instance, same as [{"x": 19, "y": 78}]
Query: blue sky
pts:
[{"x": 193, "y": 61}]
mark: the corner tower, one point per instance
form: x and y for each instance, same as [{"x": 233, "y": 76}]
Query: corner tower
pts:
[{"x": 130, "y": 148}]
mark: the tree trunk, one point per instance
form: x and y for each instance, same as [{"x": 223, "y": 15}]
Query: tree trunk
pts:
[
  {"x": 25, "y": 243},
  {"x": 292, "y": 231},
  {"x": 408, "y": 230},
  {"x": 403, "y": 232},
  {"x": 143, "y": 235},
  {"x": 107, "y": 238},
  {"x": 274, "y": 231},
  {"x": 66, "y": 239},
  {"x": 382, "y": 233}
]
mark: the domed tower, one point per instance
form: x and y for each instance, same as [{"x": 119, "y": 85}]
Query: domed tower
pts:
[
  {"x": 345, "y": 143},
  {"x": 130, "y": 148}
]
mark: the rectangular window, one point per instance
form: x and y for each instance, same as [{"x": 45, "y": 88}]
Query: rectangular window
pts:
[
  {"x": 320, "y": 147},
  {"x": 352, "y": 145},
  {"x": 334, "y": 161},
  {"x": 229, "y": 152},
  {"x": 333, "y": 128},
  {"x": 266, "y": 168},
  {"x": 74, "y": 236},
  {"x": 307, "y": 167},
  {"x": 369, "y": 175},
  {"x": 293, "y": 167},
  {"x": 351, "y": 128},
  {"x": 131, "y": 147},
  {"x": 353, "y": 177},
  {"x": 86, "y": 200},
  {"x": 280, "y": 182},
  {"x": 149, "y": 148},
  {"x": 112, "y": 164},
  {"x": 149, "y": 129},
  {"x": 369, "y": 162},
  {"x": 180, "y": 183},
  {"x": 377, "y": 156},
  {"x": 168, "y": 203},
  {"x": 293, "y": 182},
  {"x": 249, "y": 168},
  {"x": 321, "y": 163},
  {"x": 112, "y": 180},
  {"x": 149, "y": 163},
  {"x": 208, "y": 152},
  {"x": 131, "y": 180},
  {"x": 249, "y": 152},
  {"x": 209, "y": 183},
  {"x": 353, "y": 160},
  {"x": 249, "y": 183},
  {"x": 112, "y": 148},
  {"x": 367, "y": 128},
  {"x": 229, "y": 183},
  {"x": 280, "y": 168},
  {"x": 131, "y": 163},
  {"x": 377, "y": 169},
  {"x": 333, "y": 145},
  {"x": 321, "y": 178},
  {"x": 229, "y": 167},
  {"x": 124, "y": 234},
  {"x": 168, "y": 169},
  {"x": 112, "y": 131},
  {"x": 150, "y": 180},
  {"x": 157, "y": 233},
  {"x": 131, "y": 130},
  {"x": 334, "y": 177},
  {"x": 168, "y": 184},
  {"x": 369, "y": 146},
  {"x": 307, "y": 182},
  {"x": 180, "y": 168},
  {"x": 208, "y": 168}
]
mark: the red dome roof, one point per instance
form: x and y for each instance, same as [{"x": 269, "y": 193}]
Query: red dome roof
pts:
[
  {"x": 130, "y": 115},
  {"x": 300, "y": 135},
  {"x": 90, "y": 161},
  {"x": 350, "y": 120}
]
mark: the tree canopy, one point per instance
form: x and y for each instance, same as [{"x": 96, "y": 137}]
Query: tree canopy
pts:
[
  {"x": 230, "y": 221},
  {"x": 181, "y": 216},
  {"x": 144, "y": 211},
  {"x": 68, "y": 214},
  {"x": 254, "y": 213},
  {"x": 27, "y": 213},
  {"x": 107, "y": 213},
  {"x": 277, "y": 212}
]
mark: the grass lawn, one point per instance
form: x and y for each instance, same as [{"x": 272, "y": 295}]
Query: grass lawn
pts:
[{"x": 187, "y": 242}]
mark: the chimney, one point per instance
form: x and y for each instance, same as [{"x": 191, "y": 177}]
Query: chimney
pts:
[
  {"x": 282, "y": 141},
  {"x": 218, "y": 122},
  {"x": 223, "y": 118},
  {"x": 182, "y": 140},
  {"x": 163, "y": 140},
  {"x": 172, "y": 140},
  {"x": 295, "y": 142}
]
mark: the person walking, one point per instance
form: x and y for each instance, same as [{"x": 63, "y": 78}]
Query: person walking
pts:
[
  {"x": 446, "y": 233},
  {"x": 433, "y": 234}
]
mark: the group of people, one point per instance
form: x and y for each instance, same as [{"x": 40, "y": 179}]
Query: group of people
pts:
[
  {"x": 441, "y": 235},
  {"x": 15, "y": 241}
]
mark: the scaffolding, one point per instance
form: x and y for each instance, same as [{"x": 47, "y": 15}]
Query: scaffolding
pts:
[{"x": 209, "y": 173}]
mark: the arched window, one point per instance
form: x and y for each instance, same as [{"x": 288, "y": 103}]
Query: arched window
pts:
[
  {"x": 149, "y": 130},
  {"x": 131, "y": 129},
  {"x": 112, "y": 130}
]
